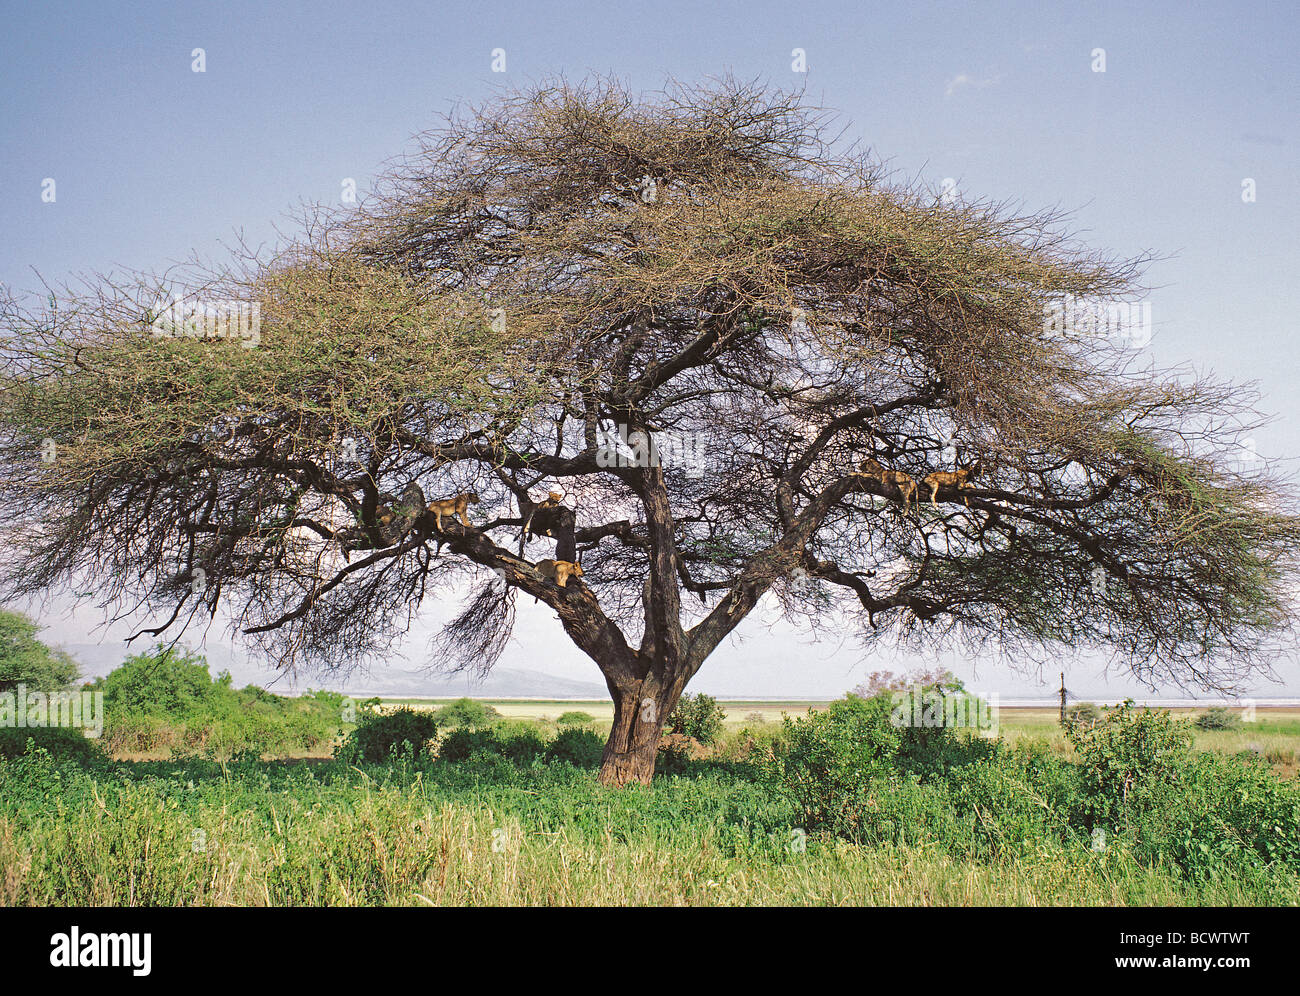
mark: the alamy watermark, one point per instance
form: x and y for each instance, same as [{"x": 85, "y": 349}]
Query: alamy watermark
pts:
[
  {"x": 36, "y": 710},
  {"x": 89, "y": 949},
  {"x": 622, "y": 448},
  {"x": 216, "y": 319},
  {"x": 931, "y": 709},
  {"x": 1127, "y": 324}
]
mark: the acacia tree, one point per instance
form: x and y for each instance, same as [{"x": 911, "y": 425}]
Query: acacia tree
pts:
[{"x": 575, "y": 263}]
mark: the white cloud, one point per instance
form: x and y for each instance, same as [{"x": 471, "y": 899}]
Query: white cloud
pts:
[{"x": 963, "y": 80}]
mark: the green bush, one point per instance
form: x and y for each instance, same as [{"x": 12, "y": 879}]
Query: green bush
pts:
[
  {"x": 1221, "y": 813},
  {"x": 575, "y": 718},
  {"x": 464, "y": 742},
  {"x": 518, "y": 742},
  {"x": 936, "y": 723},
  {"x": 1011, "y": 802},
  {"x": 166, "y": 700},
  {"x": 581, "y": 748},
  {"x": 1082, "y": 714},
  {"x": 698, "y": 716},
  {"x": 403, "y": 734},
  {"x": 1140, "y": 780},
  {"x": 466, "y": 712},
  {"x": 62, "y": 743},
  {"x": 165, "y": 681},
  {"x": 1218, "y": 718},
  {"x": 827, "y": 764},
  {"x": 25, "y": 660},
  {"x": 1125, "y": 760}
]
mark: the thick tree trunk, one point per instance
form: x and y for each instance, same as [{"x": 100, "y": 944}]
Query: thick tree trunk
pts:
[{"x": 640, "y": 711}]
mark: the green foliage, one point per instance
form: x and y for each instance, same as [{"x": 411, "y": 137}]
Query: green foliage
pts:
[
  {"x": 463, "y": 743},
  {"x": 1082, "y": 714},
  {"x": 828, "y": 764},
  {"x": 518, "y": 742},
  {"x": 1011, "y": 817},
  {"x": 698, "y": 716},
  {"x": 166, "y": 681},
  {"x": 1132, "y": 805},
  {"x": 581, "y": 748},
  {"x": 575, "y": 717},
  {"x": 165, "y": 700},
  {"x": 60, "y": 742},
  {"x": 1126, "y": 758},
  {"x": 1220, "y": 813},
  {"x": 1218, "y": 718},
  {"x": 402, "y": 734},
  {"x": 1140, "y": 780},
  {"x": 1136, "y": 787},
  {"x": 466, "y": 712},
  {"x": 1011, "y": 801},
  {"x": 26, "y": 660}
]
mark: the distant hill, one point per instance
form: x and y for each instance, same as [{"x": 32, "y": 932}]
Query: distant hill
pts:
[
  {"x": 97, "y": 659},
  {"x": 501, "y": 683}
]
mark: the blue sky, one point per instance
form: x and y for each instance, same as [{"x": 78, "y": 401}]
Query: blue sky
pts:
[{"x": 152, "y": 161}]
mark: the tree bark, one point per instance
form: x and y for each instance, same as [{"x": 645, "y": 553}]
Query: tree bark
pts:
[{"x": 640, "y": 710}]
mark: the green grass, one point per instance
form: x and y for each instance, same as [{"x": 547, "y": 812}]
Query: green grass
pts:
[
  {"x": 302, "y": 834},
  {"x": 315, "y": 831}
]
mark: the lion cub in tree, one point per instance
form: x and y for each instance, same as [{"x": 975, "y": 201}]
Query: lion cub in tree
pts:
[
  {"x": 559, "y": 571},
  {"x": 959, "y": 478},
  {"x": 870, "y": 467},
  {"x": 453, "y": 507}
]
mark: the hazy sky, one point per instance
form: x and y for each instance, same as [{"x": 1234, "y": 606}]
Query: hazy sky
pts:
[{"x": 152, "y": 160}]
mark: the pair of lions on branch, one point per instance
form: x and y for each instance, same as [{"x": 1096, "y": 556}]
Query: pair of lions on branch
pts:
[{"x": 907, "y": 487}]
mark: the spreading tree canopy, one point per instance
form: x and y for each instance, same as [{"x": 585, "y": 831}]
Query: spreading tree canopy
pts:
[{"x": 556, "y": 283}]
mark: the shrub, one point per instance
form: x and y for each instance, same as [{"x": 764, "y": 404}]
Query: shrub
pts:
[
  {"x": 826, "y": 764},
  {"x": 1218, "y": 718},
  {"x": 677, "y": 751},
  {"x": 165, "y": 699},
  {"x": 464, "y": 742},
  {"x": 466, "y": 712},
  {"x": 935, "y": 725},
  {"x": 1126, "y": 758},
  {"x": 579, "y": 747},
  {"x": 1217, "y": 815},
  {"x": 60, "y": 742},
  {"x": 697, "y": 716},
  {"x": 379, "y": 737},
  {"x": 575, "y": 717},
  {"x": 1015, "y": 799},
  {"x": 165, "y": 681},
  {"x": 519, "y": 741},
  {"x": 27, "y": 661},
  {"x": 1082, "y": 714}
]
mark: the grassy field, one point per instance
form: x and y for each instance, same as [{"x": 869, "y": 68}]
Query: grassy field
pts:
[
  {"x": 1007, "y": 823},
  {"x": 323, "y": 834}
]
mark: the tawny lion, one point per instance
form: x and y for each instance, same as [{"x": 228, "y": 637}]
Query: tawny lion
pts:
[
  {"x": 959, "y": 478},
  {"x": 453, "y": 507},
  {"x": 871, "y": 467},
  {"x": 559, "y": 571}
]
